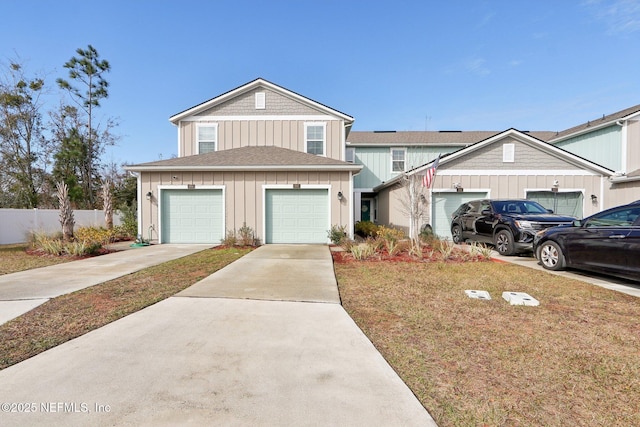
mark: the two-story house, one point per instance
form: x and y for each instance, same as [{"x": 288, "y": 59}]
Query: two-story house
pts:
[{"x": 259, "y": 156}]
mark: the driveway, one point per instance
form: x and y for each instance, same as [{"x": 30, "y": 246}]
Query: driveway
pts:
[
  {"x": 25, "y": 290},
  {"x": 263, "y": 341}
]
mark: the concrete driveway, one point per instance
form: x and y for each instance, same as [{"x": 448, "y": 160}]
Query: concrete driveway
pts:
[
  {"x": 263, "y": 341},
  {"x": 25, "y": 290}
]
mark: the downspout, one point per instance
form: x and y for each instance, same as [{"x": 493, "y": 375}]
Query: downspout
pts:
[{"x": 623, "y": 147}]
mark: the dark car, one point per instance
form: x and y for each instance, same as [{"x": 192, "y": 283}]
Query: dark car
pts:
[
  {"x": 509, "y": 224},
  {"x": 607, "y": 242}
]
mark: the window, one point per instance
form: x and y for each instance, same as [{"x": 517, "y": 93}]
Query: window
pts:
[
  {"x": 207, "y": 138},
  {"x": 350, "y": 155},
  {"x": 620, "y": 218},
  {"x": 508, "y": 153},
  {"x": 398, "y": 156},
  {"x": 314, "y": 138}
]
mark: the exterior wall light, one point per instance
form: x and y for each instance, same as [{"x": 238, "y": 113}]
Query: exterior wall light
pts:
[
  {"x": 149, "y": 195},
  {"x": 340, "y": 196},
  {"x": 594, "y": 199}
]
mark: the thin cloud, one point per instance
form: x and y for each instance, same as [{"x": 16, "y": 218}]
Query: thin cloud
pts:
[
  {"x": 620, "y": 16},
  {"x": 477, "y": 66}
]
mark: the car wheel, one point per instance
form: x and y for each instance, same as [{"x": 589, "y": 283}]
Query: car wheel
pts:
[
  {"x": 504, "y": 242},
  {"x": 551, "y": 256},
  {"x": 456, "y": 234}
]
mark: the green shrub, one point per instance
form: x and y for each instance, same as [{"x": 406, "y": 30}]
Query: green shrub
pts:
[
  {"x": 337, "y": 234},
  {"x": 95, "y": 235},
  {"x": 366, "y": 229},
  {"x": 129, "y": 218}
]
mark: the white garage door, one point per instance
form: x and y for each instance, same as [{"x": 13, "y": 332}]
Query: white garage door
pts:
[
  {"x": 192, "y": 216},
  {"x": 296, "y": 215},
  {"x": 444, "y": 204}
]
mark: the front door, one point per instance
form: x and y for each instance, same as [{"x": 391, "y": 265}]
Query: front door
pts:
[{"x": 365, "y": 210}]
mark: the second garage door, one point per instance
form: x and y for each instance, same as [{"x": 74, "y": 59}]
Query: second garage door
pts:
[
  {"x": 296, "y": 215},
  {"x": 444, "y": 204}
]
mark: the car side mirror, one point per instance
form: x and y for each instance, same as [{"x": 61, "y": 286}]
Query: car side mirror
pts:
[
  {"x": 550, "y": 210},
  {"x": 577, "y": 223}
]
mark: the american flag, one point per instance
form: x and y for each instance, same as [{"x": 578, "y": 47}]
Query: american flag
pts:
[{"x": 427, "y": 179}]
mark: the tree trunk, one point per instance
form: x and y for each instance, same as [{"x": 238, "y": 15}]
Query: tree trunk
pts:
[
  {"x": 107, "y": 199},
  {"x": 66, "y": 213}
]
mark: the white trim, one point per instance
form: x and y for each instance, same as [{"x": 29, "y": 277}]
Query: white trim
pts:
[
  {"x": 186, "y": 188},
  {"x": 266, "y": 187},
  {"x": 180, "y": 150},
  {"x": 336, "y": 168},
  {"x": 391, "y": 150},
  {"x": 624, "y": 146},
  {"x": 350, "y": 207},
  {"x": 257, "y": 118},
  {"x": 583, "y": 191},
  {"x": 515, "y": 172},
  {"x": 363, "y": 190},
  {"x": 324, "y": 137},
  {"x": 139, "y": 196},
  {"x": 197, "y": 135}
]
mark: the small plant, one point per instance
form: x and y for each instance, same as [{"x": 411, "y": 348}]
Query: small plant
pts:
[
  {"x": 481, "y": 249},
  {"x": 362, "y": 251},
  {"x": 391, "y": 236},
  {"x": 246, "y": 236},
  {"x": 446, "y": 249},
  {"x": 366, "y": 229},
  {"x": 416, "y": 249},
  {"x": 230, "y": 238},
  {"x": 99, "y": 235},
  {"x": 337, "y": 234},
  {"x": 129, "y": 219}
]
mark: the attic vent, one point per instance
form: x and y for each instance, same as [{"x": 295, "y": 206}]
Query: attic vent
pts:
[
  {"x": 384, "y": 131},
  {"x": 450, "y": 131},
  {"x": 260, "y": 101}
]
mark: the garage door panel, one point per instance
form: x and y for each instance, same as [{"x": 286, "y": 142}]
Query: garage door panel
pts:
[
  {"x": 192, "y": 216},
  {"x": 296, "y": 216}
]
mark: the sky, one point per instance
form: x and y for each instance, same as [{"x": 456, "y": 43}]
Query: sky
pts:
[{"x": 392, "y": 65}]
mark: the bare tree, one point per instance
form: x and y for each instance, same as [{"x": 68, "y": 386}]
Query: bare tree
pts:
[
  {"x": 414, "y": 203},
  {"x": 107, "y": 201}
]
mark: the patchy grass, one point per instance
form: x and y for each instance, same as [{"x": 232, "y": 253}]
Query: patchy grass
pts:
[
  {"x": 14, "y": 258},
  {"x": 69, "y": 316},
  {"x": 572, "y": 361}
]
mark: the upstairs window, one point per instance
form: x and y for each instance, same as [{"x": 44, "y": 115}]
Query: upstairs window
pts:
[
  {"x": 207, "y": 135},
  {"x": 398, "y": 156},
  {"x": 350, "y": 155},
  {"x": 314, "y": 141}
]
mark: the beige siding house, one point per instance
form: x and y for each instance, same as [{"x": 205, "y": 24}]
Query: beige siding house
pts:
[
  {"x": 511, "y": 164},
  {"x": 259, "y": 156}
]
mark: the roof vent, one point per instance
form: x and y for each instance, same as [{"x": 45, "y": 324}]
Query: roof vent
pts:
[
  {"x": 384, "y": 131},
  {"x": 450, "y": 131},
  {"x": 261, "y": 99}
]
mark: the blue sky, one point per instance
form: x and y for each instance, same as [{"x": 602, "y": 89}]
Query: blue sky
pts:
[{"x": 393, "y": 65}]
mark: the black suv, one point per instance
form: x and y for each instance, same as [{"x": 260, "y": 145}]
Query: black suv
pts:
[{"x": 508, "y": 224}]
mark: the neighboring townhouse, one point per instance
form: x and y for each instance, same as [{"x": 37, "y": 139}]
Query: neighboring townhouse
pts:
[
  {"x": 259, "y": 156},
  {"x": 511, "y": 164},
  {"x": 386, "y": 155},
  {"x": 612, "y": 141}
]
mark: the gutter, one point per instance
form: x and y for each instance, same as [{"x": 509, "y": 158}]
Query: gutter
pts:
[{"x": 164, "y": 168}]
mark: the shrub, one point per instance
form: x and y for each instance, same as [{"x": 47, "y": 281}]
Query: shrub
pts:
[
  {"x": 391, "y": 236},
  {"x": 230, "y": 238},
  {"x": 366, "y": 228},
  {"x": 337, "y": 234},
  {"x": 95, "y": 235},
  {"x": 55, "y": 245},
  {"x": 246, "y": 236},
  {"x": 129, "y": 218},
  {"x": 362, "y": 251}
]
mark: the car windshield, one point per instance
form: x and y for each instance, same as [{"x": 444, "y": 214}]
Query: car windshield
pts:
[{"x": 519, "y": 207}]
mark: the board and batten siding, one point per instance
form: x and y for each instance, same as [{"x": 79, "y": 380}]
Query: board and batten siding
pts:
[
  {"x": 288, "y": 134},
  {"x": 603, "y": 146},
  {"x": 243, "y": 194}
]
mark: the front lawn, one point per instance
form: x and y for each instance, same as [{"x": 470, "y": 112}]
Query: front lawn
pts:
[
  {"x": 572, "y": 361},
  {"x": 14, "y": 258}
]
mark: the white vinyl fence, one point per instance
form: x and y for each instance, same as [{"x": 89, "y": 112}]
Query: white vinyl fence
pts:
[{"x": 17, "y": 224}]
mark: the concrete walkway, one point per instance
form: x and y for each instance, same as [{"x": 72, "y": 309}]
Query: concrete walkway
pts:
[
  {"x": 25, "y": 290},
  {"x": 262, "y": 342}
]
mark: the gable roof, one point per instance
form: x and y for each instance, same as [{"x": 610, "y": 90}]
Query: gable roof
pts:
[
  {"x": 259, "y": 82},
  {"x": 249, "y": 158},
  {"x": 433, "y": 138},
  {"x": 521, "y": 136},
  {"x": 598, "y": 123}
]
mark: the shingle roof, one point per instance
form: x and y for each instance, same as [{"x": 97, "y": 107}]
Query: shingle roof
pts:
[
  {"x": 462, "y": 138},
  {"x": 267, "y": 158},
  {"x": 604, "y": 120}
]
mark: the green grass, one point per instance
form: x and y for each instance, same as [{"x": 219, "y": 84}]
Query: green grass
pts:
[
  {"x": 69, "y": 316},
  {"x": 572, "y": 361}
]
